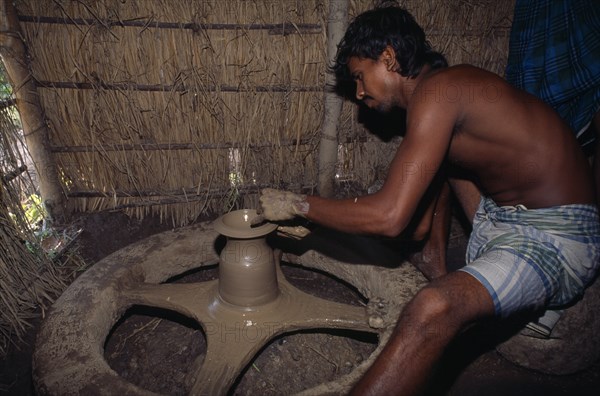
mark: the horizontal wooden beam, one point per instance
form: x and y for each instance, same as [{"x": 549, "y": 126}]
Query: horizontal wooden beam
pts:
[
  {"x": 191, "y": 194},
  {"x": 175, "y": 196},
  {"x": 173, "y": 87},
  {"x": 284, "y": 28},
  {"x": 171, "y": 146},
  {"x": 189, "y": 146}
]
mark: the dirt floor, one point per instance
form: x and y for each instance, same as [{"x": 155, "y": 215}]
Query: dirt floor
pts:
[{"x": 154, "y": 348}]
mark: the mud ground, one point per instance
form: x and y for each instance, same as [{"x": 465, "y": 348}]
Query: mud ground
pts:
[{"x": 154, "y": 348}]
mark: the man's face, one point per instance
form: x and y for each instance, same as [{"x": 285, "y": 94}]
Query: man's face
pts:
[{"x": 375, "y": 83}]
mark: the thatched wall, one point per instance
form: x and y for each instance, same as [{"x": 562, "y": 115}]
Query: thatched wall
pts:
[
  {"x": 28, "y": 278},
  {"x": 185, "y": 107}
]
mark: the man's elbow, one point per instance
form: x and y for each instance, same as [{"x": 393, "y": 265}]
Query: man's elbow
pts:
[
  {"x": 391, "y": 227},
  {"x": 394, "y": 226}
]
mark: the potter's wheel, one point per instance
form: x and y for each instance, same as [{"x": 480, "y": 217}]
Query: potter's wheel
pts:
[{"x": 68, "y": 358}]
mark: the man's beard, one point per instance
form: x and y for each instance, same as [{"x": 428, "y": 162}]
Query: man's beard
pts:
[
  {"x": 385, "y": 108},
  {"x": 380, "y": 107}
]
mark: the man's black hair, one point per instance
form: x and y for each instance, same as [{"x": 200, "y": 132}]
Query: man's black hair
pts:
[{"x": 369, "y": 34}]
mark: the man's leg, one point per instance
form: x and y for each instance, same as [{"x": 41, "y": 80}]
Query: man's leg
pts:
[
  {"x": 426, "y": 326},
  {"x": 431, "y": 260},
  {"x": 468, "y": 195}
]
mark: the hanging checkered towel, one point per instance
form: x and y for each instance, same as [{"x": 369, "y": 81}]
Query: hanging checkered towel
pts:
[{"x": 555, "y": 54}]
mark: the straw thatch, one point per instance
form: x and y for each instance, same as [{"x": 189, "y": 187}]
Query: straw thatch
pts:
[
  {"x": 28, "y": 279},
  {"x": 171, "y": 111},
  {"x": 183, "y": 108}
]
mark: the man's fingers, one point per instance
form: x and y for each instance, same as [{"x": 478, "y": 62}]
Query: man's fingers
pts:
[
  {"x": 257, "y": 221},
  {"x": 296, "y": 232}
]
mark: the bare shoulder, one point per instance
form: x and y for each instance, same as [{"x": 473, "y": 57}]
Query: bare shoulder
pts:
[
  {"x": 464, "y": 83},
  {"x": 451, "y": 96},
  {"x": 464, "y": 73}
]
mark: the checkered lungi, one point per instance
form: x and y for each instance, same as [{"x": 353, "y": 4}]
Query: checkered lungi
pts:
[{"x": 529, "y": 259}]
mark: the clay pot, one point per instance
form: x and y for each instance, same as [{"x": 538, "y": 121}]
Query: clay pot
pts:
[{"x": 247, "y": 271}]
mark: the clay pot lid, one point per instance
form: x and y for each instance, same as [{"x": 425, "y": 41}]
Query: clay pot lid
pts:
[{"x": 236, "y": 224}]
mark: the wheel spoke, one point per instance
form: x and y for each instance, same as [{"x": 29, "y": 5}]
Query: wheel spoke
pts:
[
  {"x": 190, "y": 299},
  {"x": 304, "y": 311},
  {"x": 231, "y": 346}
]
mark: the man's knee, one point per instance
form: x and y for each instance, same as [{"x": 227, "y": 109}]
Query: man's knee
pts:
[
  {"x": 431, "y": 312},
  {"x": 450, "y": 303}
]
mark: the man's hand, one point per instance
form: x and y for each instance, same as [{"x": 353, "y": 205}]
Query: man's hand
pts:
[
  {"x": 296, "y": 232},
  {"x": 279, "y": 205}
]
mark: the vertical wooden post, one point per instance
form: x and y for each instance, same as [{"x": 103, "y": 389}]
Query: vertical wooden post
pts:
[
  {"x": 328, "y": 146},
  {"x": 35, "y": 130}
]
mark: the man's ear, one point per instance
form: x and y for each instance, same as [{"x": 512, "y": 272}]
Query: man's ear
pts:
[{"x": 388, "y": 57}]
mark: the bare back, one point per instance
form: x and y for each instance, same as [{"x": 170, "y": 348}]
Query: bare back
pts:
[{"x": 515, "y": 146}]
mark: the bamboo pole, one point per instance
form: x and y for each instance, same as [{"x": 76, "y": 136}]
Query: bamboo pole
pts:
[
  {"x": 336, "y": 26},
  {"x": 35, "y": 130}
]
